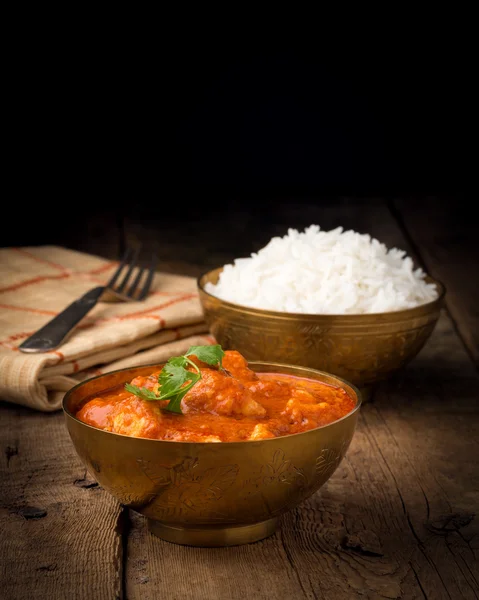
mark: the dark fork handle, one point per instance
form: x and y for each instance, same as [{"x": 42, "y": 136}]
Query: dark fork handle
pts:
[{"x": 51, "y": 335}]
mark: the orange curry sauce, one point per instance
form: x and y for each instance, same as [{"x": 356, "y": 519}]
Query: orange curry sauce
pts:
[{"x": 242, "y": 405}]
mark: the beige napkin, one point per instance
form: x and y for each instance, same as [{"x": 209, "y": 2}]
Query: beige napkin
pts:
[{"x": 38, "y": 282}]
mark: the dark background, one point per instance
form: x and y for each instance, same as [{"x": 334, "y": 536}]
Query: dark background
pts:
[{"x": 202, "y": 128}]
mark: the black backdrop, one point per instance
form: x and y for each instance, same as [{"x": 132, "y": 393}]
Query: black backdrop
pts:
[
  {"x": 306, "y": 123},
  {"x": 203, "y": 123}
]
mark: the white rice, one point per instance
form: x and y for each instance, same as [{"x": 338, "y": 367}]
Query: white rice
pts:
[{"x": 324, "y": 272}]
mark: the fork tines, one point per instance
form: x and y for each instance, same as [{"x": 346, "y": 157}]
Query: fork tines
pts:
[{"x": 126, "y": 268}]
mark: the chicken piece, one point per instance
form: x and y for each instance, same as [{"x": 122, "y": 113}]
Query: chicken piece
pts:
[
  {"x": 300, "y": 410},
  {"x": 295, "y": 405},
  {"x": 237, "y": 365},
  {"x": 135, "y": 417},
  {"x": 150, "y": 382},
  {"x": 303, "y": 396},
  {"x": 269, "y": 388},
  {"x": 260, "y": 432},
  {"x": 187, "y": 436},
  {"x": 209, "y": 438},
  {"x": 293, "y": 411},
  {"x": 220, "y": 394},
  {"x": 234, "y": 363},
  {"x": 96, "y": 413}
]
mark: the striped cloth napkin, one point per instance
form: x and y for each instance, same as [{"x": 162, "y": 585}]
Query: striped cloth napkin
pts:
[{"x": 38, "y": 282}]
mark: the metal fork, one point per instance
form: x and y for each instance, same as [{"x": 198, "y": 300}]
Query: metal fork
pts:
[{"x": 51, "y": 335}]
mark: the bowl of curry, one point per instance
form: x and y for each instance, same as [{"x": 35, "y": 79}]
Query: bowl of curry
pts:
[{"x": 246, "y": 443}]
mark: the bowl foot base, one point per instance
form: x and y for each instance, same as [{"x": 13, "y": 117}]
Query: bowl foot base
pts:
[{"x": 213, "y": 536}]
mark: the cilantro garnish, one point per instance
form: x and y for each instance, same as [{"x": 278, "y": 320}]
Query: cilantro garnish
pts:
[{"x": 175, "y": 379}]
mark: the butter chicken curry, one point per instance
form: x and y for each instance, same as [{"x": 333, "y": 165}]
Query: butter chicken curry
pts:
[{"x": 219, "y": 400}]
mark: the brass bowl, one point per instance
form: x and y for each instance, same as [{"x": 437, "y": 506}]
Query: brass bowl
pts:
[
  {"x": 210, "y": 494},
  {"x": 363, "y": 349}
]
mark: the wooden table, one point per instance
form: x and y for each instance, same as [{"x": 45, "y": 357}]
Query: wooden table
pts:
[{"x": 398, "y": 519}]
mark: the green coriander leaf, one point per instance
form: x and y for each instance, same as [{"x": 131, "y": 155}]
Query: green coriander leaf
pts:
[
  {"x": 178, "y": 361},
  {"x": 175, "y": 379},
  {"x": 174, "y": 405},
  {"x": 211, "y": 355},
  {"x": 176, "y": 396},
  {"x": 142, "y": 393},
  {"x": 172, "y": 379}
]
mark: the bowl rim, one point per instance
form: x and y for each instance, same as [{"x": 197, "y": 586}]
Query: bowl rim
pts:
[
  {"x": 357, "y": 391},
  {"x": 262, "y": 312}
]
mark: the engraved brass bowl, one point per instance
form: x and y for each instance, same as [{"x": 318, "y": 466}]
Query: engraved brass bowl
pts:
[
  {"x": 210, "y": 494},
  {"x": 363, "y": 349}
]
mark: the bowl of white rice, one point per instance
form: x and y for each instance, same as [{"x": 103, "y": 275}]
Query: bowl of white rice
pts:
[{"x": 338, "y": 301}]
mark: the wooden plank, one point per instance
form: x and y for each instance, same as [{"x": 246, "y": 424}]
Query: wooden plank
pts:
[
  {"x": 446, "y": 235},
  {"x": 156, "y": 568},
  {"x": 61, "y": 533},
  {"x": 396, "y": 520}
]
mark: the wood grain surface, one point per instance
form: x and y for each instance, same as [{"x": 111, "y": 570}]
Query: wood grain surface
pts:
[
  {"x": 448, "y": 241},
  {"x": 398, "y": 519},
  {"x": 61, "y": 533}
]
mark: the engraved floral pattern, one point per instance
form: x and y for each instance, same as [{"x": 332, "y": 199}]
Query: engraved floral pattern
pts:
[
  {"x": 275, "y": 486},
  {"x": 329, "y": 459},
  {"x": 278, "y": 470},
  {"x": 360, "y": 354},
  {"x": 184, "y": 489},
  {"x": 127, "y": 491},
  {"x": 183, "y": 492},
  {"x": 327, "y": 462}
]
